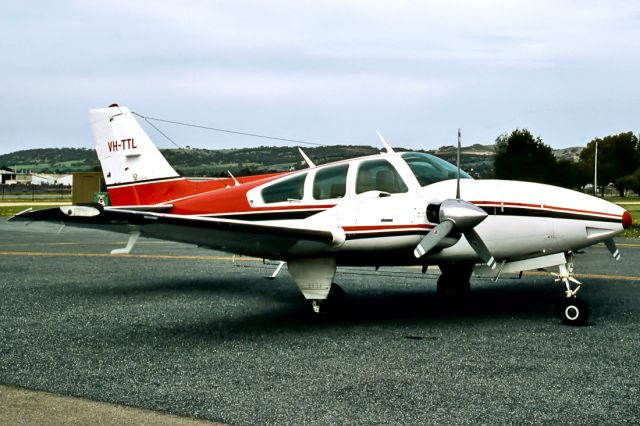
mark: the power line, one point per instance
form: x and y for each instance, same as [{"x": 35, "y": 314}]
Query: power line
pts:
[
  {"x": 158, "y": 130},
  {"x": 216, "y": 129}
]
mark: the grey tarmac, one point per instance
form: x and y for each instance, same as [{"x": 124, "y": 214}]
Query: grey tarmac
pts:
[{"x": 186, "y": 331}]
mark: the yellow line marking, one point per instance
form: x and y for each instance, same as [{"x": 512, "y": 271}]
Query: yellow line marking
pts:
[
  {"x": 28, "y": 204},
  {"x": 115, "y": 243},
  {"x": 593, "y": 276},
  {"x": 254, "y": 259},
  {"x": 547, "y": 274},
  {"x": 132, "y": 256},
  {"x": 627, "y": 245}
]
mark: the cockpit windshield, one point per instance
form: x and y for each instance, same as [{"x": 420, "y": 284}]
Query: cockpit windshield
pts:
[{"x": 429, "y": 169}]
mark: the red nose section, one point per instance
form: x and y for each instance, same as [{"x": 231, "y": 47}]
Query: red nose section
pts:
[{"x": 626, "y": 220}]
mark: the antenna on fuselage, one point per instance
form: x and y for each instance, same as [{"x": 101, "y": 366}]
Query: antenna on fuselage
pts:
[
  {"x": 458, "y": 164},
  {"x": 306, "y": 158},
  {"x": 236, "y": 183},
  {"x": 384, "y": 142}
]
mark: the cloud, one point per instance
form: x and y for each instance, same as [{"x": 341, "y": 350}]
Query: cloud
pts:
[{"x": 469, "y": 60}]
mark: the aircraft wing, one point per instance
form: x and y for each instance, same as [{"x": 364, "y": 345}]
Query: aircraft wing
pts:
[{"x": 234, "y": 236}]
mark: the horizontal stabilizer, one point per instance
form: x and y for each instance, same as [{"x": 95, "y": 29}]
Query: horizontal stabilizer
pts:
[{"x": 235, "y": 236}]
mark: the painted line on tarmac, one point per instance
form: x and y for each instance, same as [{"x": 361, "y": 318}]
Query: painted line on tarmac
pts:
[
  {"x": 255, "y": 259},
  {"x": 626, "y": 245},
  {"x": 33, "y": 203},
  {"x": 91, "y": 243},
  {"x": 132, "y": 256},
  {"x": 593, "y": 276}
]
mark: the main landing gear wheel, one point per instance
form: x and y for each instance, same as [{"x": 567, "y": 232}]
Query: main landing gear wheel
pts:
[
  {"x": 452, "y": 288},
  {"x": 574, "y": 311},
  {"x": 332, "y": 303},
  {"x": 453, "y": 285}
]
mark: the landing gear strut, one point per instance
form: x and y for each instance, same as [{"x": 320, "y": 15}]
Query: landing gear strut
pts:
[
  {"x": 332, "y": 303},
  {"x": 573, "y": 311}
]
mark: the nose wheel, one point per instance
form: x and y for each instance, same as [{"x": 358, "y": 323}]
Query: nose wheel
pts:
[{"x": 573, "y": 311}]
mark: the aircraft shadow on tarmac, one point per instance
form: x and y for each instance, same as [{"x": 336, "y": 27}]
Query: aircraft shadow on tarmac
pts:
[
  {"x": 208, "y": 287},
  {"x": 240, "y": 308}
]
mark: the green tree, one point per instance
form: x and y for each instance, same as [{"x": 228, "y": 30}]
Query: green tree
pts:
[
  {"x": 618, "y": 156},
  {"x": 521, "y": 156},
  {"x": 630, "y": 182},
  {"x": 570, "y": 174}
]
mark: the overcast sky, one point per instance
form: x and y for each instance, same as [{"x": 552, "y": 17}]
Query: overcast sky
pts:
[{"x": 330, "y": 71}]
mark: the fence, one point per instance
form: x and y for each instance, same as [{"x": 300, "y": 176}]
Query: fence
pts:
[{"x": 35, "y": 192}]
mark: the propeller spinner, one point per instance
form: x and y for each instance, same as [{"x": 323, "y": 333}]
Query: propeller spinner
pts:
[{"x": 459, "y": 215}]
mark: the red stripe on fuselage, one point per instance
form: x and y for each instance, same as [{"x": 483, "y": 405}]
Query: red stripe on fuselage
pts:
[
  {"x": 499, "y": 204},
  {"x": 387, "y": 227}
]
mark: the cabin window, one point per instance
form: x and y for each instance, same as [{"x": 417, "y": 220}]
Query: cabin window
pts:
[
  {"x": 379, "y": 175},
  {"x": 287, "y": 190},
  {"x": 330, "y": 183}
]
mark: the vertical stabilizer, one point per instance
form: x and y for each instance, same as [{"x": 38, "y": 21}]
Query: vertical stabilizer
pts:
[{"x": 125, "y": 151}]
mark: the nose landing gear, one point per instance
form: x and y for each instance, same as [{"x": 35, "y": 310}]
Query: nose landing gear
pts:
[{"x": 572, "y": 310}]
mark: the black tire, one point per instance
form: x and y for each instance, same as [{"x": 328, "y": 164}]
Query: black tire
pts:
[
  {"x": 319, "y": 307},
  {"x": 574, "y": 311},
  {"x": 332, "y": 305},
  {"x": 453, "y": 288},
  {"x": 336, "y": 293}
]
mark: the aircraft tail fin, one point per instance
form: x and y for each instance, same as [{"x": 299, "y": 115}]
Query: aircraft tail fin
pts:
[
  {"x": 125, "y": 151},
  {"x": 135, "y": 171}
]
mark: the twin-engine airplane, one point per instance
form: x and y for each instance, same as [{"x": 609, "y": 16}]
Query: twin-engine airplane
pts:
[{"x": 389, "y": 209}]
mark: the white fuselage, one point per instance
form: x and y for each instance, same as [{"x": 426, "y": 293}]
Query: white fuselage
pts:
[{"x": 524, "y": 220}]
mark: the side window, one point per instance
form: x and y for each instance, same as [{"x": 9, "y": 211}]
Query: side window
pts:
[
  {"x": 289, "y": 189},
  {"x": 330, "y": 182},
  {"x": 379, "y": 175}
]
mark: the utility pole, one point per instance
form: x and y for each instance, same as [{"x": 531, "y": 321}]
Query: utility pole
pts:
[
  {"x": 595, "y": 172},
  {"x": 458, "y": 163}
]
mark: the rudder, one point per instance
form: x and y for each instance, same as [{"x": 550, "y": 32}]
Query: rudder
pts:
[{"x": 125, "y": 151}]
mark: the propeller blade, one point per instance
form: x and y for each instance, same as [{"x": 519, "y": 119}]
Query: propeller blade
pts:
[
  {"x": 613, "y": 249},
  {"x": 480, "y": 247},
  {"x": 432, "y": 238}
]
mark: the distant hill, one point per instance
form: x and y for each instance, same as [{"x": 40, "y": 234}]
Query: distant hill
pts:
[
  {"x": 51, "y": 160},
  {"x": 263, "y": 159},
  {"x": 572, "y": 153},
  {"x": 477, "y": 159}
]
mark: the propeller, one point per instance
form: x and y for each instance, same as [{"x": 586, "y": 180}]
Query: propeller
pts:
[
  {"x": 455, "y": 215},
  {"x": 613, "y": 249}
]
